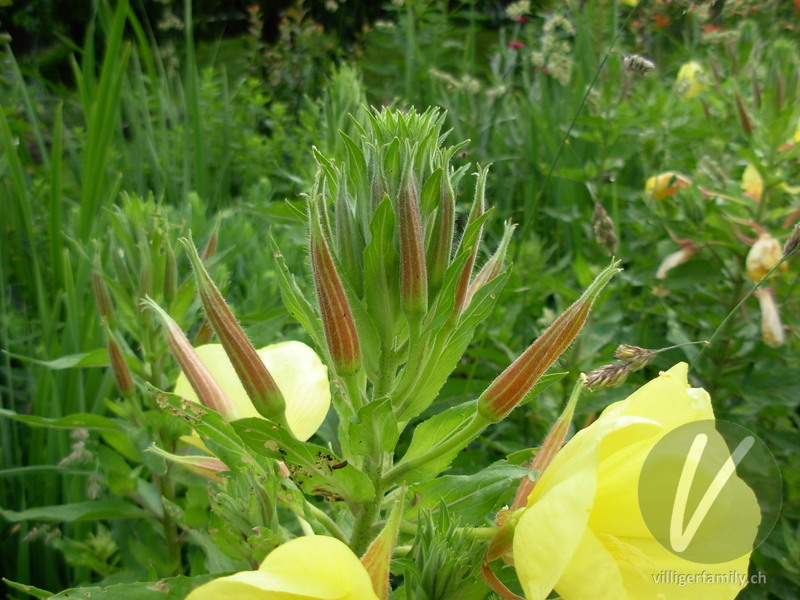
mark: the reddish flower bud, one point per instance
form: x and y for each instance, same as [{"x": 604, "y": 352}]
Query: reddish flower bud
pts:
[
  {"x": 475, "y": 213},
  {"x": 516, "y": 45},
  {"x": 101, "y": 296},
  {"x": 337, "y": 318},
  {"x": 493, "y": 266},
  {"x": 513, "y": 384},
  {"x": 441, "y": 240},
  {"x": 413, "y": 271},
  {"x": 255, "y": 378},
  {"x": 203, "y": 383},
  {"x": 122, "y": 374}
]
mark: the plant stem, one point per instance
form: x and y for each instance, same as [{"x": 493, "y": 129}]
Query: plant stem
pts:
[{"x": 362, "y": 529}]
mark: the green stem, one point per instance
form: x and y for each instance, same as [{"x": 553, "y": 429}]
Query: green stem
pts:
[
  {"x": 325, "y": 520},
  {"x": 457, "y": 441},
  {"x": 353, "y": 391},
  {"x": 362, "y": 529}
]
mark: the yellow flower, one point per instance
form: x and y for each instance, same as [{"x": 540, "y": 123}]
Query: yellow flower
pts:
[
  {"x": 582, "y": 532},
  {"x": 298, "y": 372},
  {"x": 690, "y": 81},
  {"x": 764, "y": 254},
  {"x": 665, "y": 184},
  {"x": 752, "y": 184},
  {"x": 313, "y": 567}
]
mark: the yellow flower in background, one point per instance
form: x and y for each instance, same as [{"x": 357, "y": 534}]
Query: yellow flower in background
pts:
[
  {"x": 752, "y": 184},
  {"x": 298, "y": 372},
  {"x": 764, "y": 254},
  {"x": 665, "y": 184},
  {"x": 582, "y": 532},
  {"x": 690, "y": 81},
  {"x": 313, "y": 567}
]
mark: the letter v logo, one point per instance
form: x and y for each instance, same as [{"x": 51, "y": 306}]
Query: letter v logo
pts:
[{"x": 679, "y": 537}]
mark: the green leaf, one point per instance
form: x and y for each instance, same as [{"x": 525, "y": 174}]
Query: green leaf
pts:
[
  {"x": 314, "y": 468},
  {"x": 76, "y": 421},
  {"x": 381, "y": 271},
  {"x": 27, "y": 589},
  {"x": 470, "y": 497},
  {"x": 174, "y": 587},
  {"x": 94, "y": 510},
  {"x": 375, "y": 422},
  {"x": 219, "y": 435},
  {"x": 433, "y": 432},
  {"x": 420, "y": 391},
  {"x": 94, "y": 358}
]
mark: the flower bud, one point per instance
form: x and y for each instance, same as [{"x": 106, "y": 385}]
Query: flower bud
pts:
[
  {"x": 413, "y": 271},
  {"x": 102, "y": 298},
  {"x": 493, "y": 266},
  {"x": 170, "y": 273},
  {"x": 744, "y": 118},
  {"x": 477, "y": 210},
  {"x": 203, "y": 383},
  {"x": 513, "y": 384},
  {"x": 207, "y": 466},
  {"x": 793, "y": 241},
  {"x": 772, "y": 331},
  {"x": 256, "y": 379},
  {"x": 441, "y": 241},
  {"x": 337, "y": 318},
  {"x": 764, "y": 254},
  {"x": 120, "y": 369}
]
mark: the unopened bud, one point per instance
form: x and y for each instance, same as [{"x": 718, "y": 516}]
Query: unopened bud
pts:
[
  {"x": 210, "y": 249},
  {"x": 170, "y": 273},
  {"x": 477, "y": 210},
  {"x": 203, "y": 383},
  {"x": 744, "y": 118},
  {"x": 513, "y": 384},
  {"x": 413, "y": 271},
  {"x": 337, "y": 317},
  {"x": 763, "y": 256},
  {"x": 120, "y": 369},
  {"x": 494, "y": 265},
  {"x": 255, "y": 378},
  {"x": 793, "y": 241},
  {"x": 102, "y": 298},
  {"x": 604, "y": 231},
  {"x": 207, "y": 466},
  {"x": 441, "y": 241}
]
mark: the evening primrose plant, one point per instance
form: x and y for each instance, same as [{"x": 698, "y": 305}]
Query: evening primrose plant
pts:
[{"x": 398, "y": 284}]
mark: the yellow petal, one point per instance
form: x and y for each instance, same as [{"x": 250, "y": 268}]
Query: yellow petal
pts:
[
  {"x": 667, "y": 400},
  {"x": 690, "y": 80},
  {"x": 752, "y": 183},
  {"x": 593, "y": 573},
  {"x": 548, "y": 532},
  {"x": 296, "y": 368},
  {"x": 257, "y": 585},
  {"x": 313, "y": 567}
]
